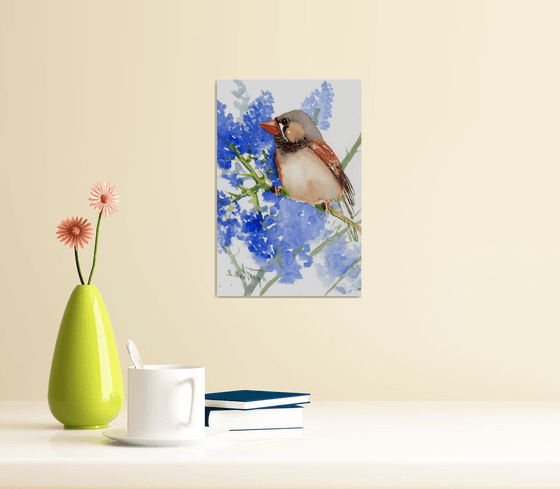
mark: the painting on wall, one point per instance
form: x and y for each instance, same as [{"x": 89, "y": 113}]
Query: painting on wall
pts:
[{"x": 289, "y": 188}]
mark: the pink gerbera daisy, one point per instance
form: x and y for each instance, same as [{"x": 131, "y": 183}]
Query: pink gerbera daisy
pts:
[
  {"x": 104, "y": 198},
  {"x": 74, "y": 231}
]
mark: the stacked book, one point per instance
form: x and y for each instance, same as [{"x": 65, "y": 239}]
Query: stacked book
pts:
[{"x": 260, "y": 413}]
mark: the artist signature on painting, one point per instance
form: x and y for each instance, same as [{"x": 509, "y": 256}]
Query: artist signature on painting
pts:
[{"x": 243, "y": 274}]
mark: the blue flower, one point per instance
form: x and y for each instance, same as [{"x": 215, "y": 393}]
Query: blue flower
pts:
[
  {"x": 321, "y": 101},
  {"x": 229, "y": 131},
  {"x": 248, "y": 138},
  {"x": 339, "y": 257},
  {"x": 292, "y": 226},
  {"x": 228, "y": 220},
  {"x": 255, "y": 236},
  {"x": 232, "y": 175},
  {"x": 255, "y": 139}
]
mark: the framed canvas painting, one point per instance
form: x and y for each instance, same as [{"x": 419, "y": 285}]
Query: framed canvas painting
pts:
[{"x": 289, "y": 188}]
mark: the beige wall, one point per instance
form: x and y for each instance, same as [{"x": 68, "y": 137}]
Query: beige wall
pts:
[{"x": 461, "y": 104}]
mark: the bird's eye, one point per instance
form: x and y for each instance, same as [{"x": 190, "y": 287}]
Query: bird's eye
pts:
[{"x": 284, "y": 121}]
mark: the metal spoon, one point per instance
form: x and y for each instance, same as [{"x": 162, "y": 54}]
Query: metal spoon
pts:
[{"x": 134, "y": 355}]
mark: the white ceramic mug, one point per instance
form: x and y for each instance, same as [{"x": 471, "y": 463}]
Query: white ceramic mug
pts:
[{"x": 166, "y": 402}]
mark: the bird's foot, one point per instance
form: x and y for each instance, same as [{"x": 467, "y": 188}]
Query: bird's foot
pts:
[
  {"x": 327, "y": 207},
  {"x": 276, "y": 190}
]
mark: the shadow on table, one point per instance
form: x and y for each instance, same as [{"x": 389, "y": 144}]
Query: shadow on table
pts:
[
  {"x": 72, "y": 444},
  {"x": 30, "y": 426},
  {"x": 69, "y": 438}
]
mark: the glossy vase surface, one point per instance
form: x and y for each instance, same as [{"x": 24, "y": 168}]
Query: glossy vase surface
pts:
[{"x": 85, "y": 385}]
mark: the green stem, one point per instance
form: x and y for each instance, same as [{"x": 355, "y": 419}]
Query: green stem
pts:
[
  {"x": 316, "y": 116},
  {"x": 260, "y": 181},
  {"x": 236, "y": 265},
  {"x": 336, "y": 213},
  {"x": 245, "y": 163},
  {"x": 328, "y": 241},
  {"x": 253, "y": 284},
  {"x": 343, "y": 276},
  {"x": 78, "y": 265},
  {"x": 270, "y": 284},
  {"x": 351, "y": 153},
  {"x": 95, "y": 249}
]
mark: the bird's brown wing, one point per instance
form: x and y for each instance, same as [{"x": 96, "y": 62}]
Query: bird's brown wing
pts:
[{"x": 323, "y": 151}]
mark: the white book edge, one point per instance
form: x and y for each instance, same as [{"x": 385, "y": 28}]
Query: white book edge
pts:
[{"x": 255, "y": 419}]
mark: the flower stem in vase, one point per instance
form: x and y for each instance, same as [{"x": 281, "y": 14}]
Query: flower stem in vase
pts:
[
  {"x": 78, "y": 265},
  {"x": 95, "y": 249}
]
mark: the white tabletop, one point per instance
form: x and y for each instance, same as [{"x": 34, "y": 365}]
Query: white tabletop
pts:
[{"x": 345, "y": 444}]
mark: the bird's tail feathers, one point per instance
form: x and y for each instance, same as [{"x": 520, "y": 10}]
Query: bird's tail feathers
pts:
[
  {"x": 347, "y": 190},
  {"x": 348, "y": 208}
]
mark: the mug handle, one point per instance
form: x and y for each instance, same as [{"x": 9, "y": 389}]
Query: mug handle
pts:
[{"x": 194, "y": 389}]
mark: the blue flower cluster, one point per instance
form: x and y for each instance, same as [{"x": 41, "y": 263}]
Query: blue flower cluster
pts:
[
  {"x": 321, "y": 101},
  {"x": 292, "y": 227},
  {"x": 228, "y": 220},
  {"x": 339, "y": 258},
  {"x": 278, "y": 232},
  {"x": 248, "y": 138},
  {"x": 229, "y": 131}
]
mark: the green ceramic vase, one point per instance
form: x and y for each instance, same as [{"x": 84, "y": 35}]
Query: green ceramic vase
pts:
[{"x": 85, "y": 385}]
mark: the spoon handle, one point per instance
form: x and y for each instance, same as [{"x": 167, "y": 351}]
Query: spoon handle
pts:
[{"x": 134, "y": 355}]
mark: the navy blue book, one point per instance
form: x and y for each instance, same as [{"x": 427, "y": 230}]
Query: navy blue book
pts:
[{"x": 248, "y": 399}]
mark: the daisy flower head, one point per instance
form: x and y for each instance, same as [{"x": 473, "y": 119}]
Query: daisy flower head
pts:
[
  {"x": 74, "y": 231},
  {"x": 104, "y": 198}
]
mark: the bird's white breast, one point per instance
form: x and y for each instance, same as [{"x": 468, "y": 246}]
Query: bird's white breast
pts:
[{"x": 307, "y": 178}]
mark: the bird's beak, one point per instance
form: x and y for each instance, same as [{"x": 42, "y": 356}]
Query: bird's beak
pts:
[{"x": 270, "y": 126}]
